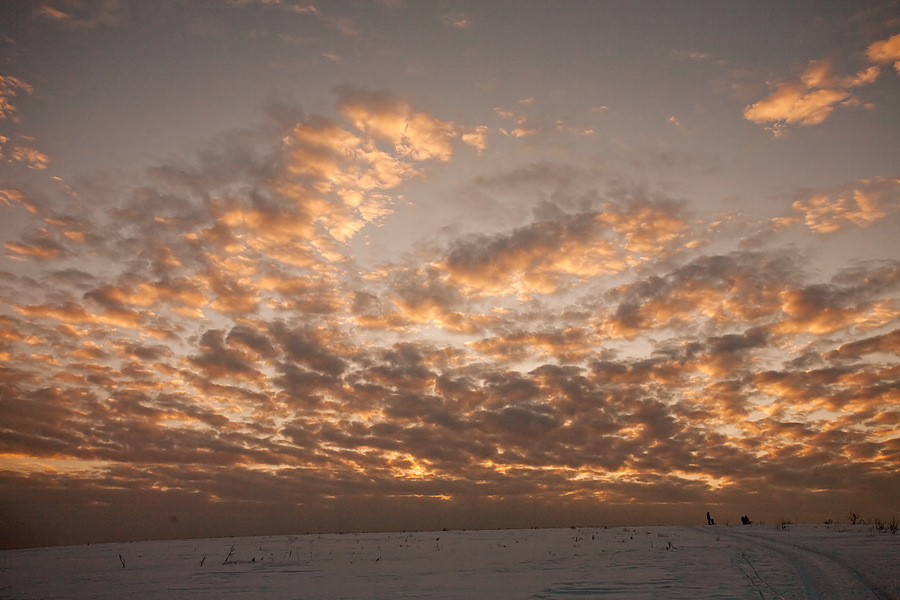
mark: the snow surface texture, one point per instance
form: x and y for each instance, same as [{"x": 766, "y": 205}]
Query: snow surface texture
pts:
[{"x": 754, "y": 561}]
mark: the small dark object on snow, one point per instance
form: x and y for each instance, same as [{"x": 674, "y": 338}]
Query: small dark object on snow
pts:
[
  {"x": 745, "y": 520},
  {"x": 709, "y": 519}
]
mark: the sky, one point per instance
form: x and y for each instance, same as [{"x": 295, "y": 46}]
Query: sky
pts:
[{"x": 273, "y": 266}]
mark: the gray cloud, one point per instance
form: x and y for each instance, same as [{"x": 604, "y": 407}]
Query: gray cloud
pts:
[{"x": 209, "y": 336}]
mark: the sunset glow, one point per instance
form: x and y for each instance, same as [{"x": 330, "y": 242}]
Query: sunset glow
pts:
[{"x": 282, "y": 267}]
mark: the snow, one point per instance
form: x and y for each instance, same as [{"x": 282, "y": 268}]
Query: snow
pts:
[{"x": 755, "y": 561}]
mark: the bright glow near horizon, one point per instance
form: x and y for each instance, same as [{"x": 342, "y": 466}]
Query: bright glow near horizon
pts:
[{"x": 274, "y": 266}]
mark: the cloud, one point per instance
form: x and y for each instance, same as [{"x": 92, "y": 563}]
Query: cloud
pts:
[
  {"x": 886, "y": 51},
  {"x": 207, "y": 338},
  {"x": 19, "y": 148},
  {"x": 423, "y": 295},
  {"x": 83, "y": 13},
  {"x": 30, "y": 156},
  {"x": 533, "y": 258},
  {"x": 225, "y": 232},
  {"x": 476, "y": 137},
  {"x": 551, "y": 253},
  {"x": 9, "y": 89},
  {"x": 808, "y": 100},
  {"x": 819, "y": 309},
  {"x": 217, "y": 360},
  {"x": 857, "y": 297},
  {"x": 753, "y": 289},
  {"x": 419, "y": 135},
  {"x": 737, "y": 287},
  {"x": 41, "y": 245},
  {"x": 886, "y": 343},
  {"x": 861, "y": 204},
  {"x": 459, "y": 20},
  {"x": 567, "y": 345},
  {"x": 526, "y": 124},
  {"x": 318, "y": 349}
]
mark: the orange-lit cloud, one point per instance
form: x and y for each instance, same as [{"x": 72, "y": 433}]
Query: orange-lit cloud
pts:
[
  {"x": 9, "y": 196},
  {"x": 526, "y": 123},
  {"x": 570, "y": 344},
  {"x": 810, "y": 99},
  {"x": 887, "y": 343},
  {"x": 30, "y": 156},
  {"x": 549, "y": 254},
  {"x": 861, "y": 205},
  {"x": 476, "y": 137},
  {"x": 886, "y": 51},
  {"x": 419, "y": 135},
  {"x": 9, "y": 89},
  {"x": 40, "y": 246},
  {"x": 83, "y": 13},
  {"x": 212, "y": 337}
]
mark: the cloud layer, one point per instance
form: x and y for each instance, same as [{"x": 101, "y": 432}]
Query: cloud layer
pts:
[
  {"x": 811, "y": 98},
  {"x": 391, "y": 316}
]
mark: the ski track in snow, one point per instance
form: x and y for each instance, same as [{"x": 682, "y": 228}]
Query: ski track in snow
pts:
[
  {"x": 820, "y": 575},
  {"x": 753, "y": 562}
]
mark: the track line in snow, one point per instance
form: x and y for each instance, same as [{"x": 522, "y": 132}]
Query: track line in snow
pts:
[
  {"x": 821, "y": 576},
  {"x": 765, "y": 591}
]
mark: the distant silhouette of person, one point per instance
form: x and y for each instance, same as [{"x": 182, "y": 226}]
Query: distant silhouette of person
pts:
[
  {"x": 709, "y": 519},
  {"x": 745, "y": 520}
]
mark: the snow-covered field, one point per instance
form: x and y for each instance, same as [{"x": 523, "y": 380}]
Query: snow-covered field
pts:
[{"x": 757, "y": 561}]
